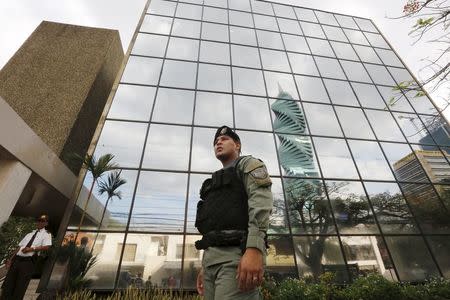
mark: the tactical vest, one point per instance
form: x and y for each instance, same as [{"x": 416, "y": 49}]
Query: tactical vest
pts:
[{"x": 223, "y": 204}]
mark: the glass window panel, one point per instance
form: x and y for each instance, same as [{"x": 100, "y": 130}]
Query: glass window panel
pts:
[
  {"x": 142, "y": 70},
  {"x": 186, "y": 28},
  {"x": 334, "y": 158},
  {"x": 305, "y": 14},
  {"x": 355, "y": 71},
  {"x": 367, "y": 255},
  {"x": 326, "y": 18},
  {"x": 157, "y": 208},
  {"x": 278, "y": 219},
  {"x": 214, "y": 52},
  {"x": 195, "y": 184},
  {"x": 356, "y": 37},
  {"x": 156, "y": 24},
  {"x": 150, "y": 44},
  {"x": 414, "y": 265},
  {"x": 346, "y": 21},
  {"x": 384, "y": 125},
  {"x": 297, "y": 156},
  {"x": 309, "y": 210},
  {"x": 370, "y": 160},
  {"x": 366, "y": 25},
  {"x": 192, "y": 262},
  {"x": 329, "y": 67},
  {"x": 368, "y": 95},
  {"x": 303, "y": 64},
  {"x": 252, "y": 113},
  {"x": 340, "y": 92},
  {"x": 167, "y": 147},
  {"x": 440, "y": 246},
  {"x": 411, "y": 126},
  {"x": 217, "y": 15},
  {"x": 214, "y": 78},
  {"x": 311, "y": 89},
  {"x": 351, "y": 208},
  {"x": 400, "y": 75},
  {"x": 280, "y": 262},
  {"x": 427, "y": 207},
  {"x": 379, "y": 74},
  {"x": 261, "y": 7},
  {"x": 160, "y": 7},
  {"x": 395, "y": 98},
  {"x": 320, "y": 47},
  {"x": 247, "y": 81},
  {"x": 189, "y": 11},
  {"x": 193, "y": 1},
  {"x": 319, "y": 254},
  {"x": 280, "y": 85},
  {"x": 239, "y": 5},
  {"x": 215, "y": 32},
  {"x": 367, "y": 54},
  {"x": 203, "y": 158},
  {"x": 390, "y": 208},
  {"x": 241, "y": 18},
  {"x": 288, "y": 117},
  {"x": 444, "y": 192},
  {"x": 434, "y": 163},
  {"x": 376, "y": 40},
  {"x": 260, "y": 145},
  {"x": 334, "y": 33},
  {"x": 344, "y": 50},
  {"x": 354, "y": 123},
  {"x": 213, "y": 109},
  {"x": 125, "y": 140},
  {"x": 217, "y": 3},
  {"x": 422, "y": 104},
  {"x": 173, "y": 106},
  {"x": 285, "y": 11},
  {"x": 245, "y": 56},
  {"x": 245, "y": 36},
  {"x": 265, "y": 22},
  {"x": 289, "y": 26},
  {"x": 268, "y": 39},
  {"x": 438, "y": 128},
  {"x": 132, "y": 102},
  {"x": 182, "y": 49},
  {"x": 312, "y": 29},
  {"x": 389, "y": 58},
  {"x": 179, "y": 74},
  {"x": 274, "y": 60},
  {"x": 295, "y": 43}
]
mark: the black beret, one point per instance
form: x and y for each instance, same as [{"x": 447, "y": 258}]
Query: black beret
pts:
[{"x": 225, "y": 130}]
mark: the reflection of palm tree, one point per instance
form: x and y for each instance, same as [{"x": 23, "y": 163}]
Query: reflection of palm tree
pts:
[{"x": 110, "y": 188}]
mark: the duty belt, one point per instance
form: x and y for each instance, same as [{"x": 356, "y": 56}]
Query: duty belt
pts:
[{"x": 222, "y": 238}]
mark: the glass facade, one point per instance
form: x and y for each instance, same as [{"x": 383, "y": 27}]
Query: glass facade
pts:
[{"x": 360, "y": 171}]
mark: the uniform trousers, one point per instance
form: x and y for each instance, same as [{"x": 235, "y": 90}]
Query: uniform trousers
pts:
[
  {"x": 220, "y": 283},
  {"x": 17, "y": 279}
]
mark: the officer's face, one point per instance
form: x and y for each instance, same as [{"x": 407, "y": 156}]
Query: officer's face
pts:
[{"x": 226, "y": 147}]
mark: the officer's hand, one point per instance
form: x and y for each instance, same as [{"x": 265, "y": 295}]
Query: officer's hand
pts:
[
  {"x": 26, "y": 250},
  {"x": 250, "y": 270},
  {"x": 200, "y": 287}
]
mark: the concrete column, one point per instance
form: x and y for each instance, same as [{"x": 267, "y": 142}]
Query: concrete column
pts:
[{"x": 13, "y": 178}]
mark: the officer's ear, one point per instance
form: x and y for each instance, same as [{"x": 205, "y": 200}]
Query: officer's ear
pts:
[{"x": 239, "y": 147}]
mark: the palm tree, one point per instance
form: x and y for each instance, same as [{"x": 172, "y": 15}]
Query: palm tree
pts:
[{"x": 110, "y": 188}]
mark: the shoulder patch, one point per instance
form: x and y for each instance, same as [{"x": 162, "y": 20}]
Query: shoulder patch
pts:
[{"x": 259, "y": 173}]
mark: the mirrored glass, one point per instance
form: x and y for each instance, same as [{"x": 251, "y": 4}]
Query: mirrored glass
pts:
[
  {"x": 245, "y": 36},
  {"x": 329, "y": 67},
  {"x": 192, "y": 262},
  {"x": 157, "y": 208},
  {"x": 278, "y": 219},
  {"x": 217, "y": 3},
  {"x": 384, "y": 125},
  {"x": 280, "y": 85},
  {"x": 195, "y": 184},
  {"x": 193, "y": 1},
  {"x": 167, "y": 147},
  {"x": 132, "y": 102},
  {"x": 215, "y": 32},
  {"x": 247, "y": 81},
  {"x": 173, "y": 106},
  {"x": 379, "y": 74},
  {"x": 389, "y": 58},
  {"x": 288, "y": 117},
  {"x": 305, "y": 14},
  {"x": 438, "y": 128},
  {"x": 421, "y": 103},
  {"x": 186, "y": 28},
  {"x": 326, "y": 18},
  {"x": 366, "y": 25},
  {"x": 182, "y": 49},
  {"x": 295, "y": 43},
  {"x": 150, "y": 44},
  {"x": 261, "y": 7},
  {"x": 334, "y": 158},
  {"x": 390, "y": 208},
  {"x": 368, "y": 95},
  {"x": 179, "y": 74},
  {"x": 355, "y": 71},
  {"x": 217, "y": 15},
  {"x": 354, "y": 123},
  {"x": 252, "y": 113},
  {"x": 344, "y": 50},
  {"x": 312, "y": 29},
  {"x": 395, "y": 99},
  {"x": 414, "y": 265},
  {"x": 265, "y": 22},
  {"x": 370, "y": 160},
  {"x": 367, "y": 54},
  {"x": 268, "y": 39},
  {"x": 320, "y": 47},
  {"x": 125, "y": 140},
  {"x": 142, "y": 70},
  {"x": 160, "y": 7},
  {"x": 351, "y": 208},
  {"x": 340, "y": 92},
  {"x": 274, "y": 60},
  {"x": 213, "y": 109},
  {"x": 411, "y": 126},
  {"x": 376, "y": 40},
  {"x": 334, "y": 33},
  {"x": 303, "y": 64},
  {"x": 355, "y": 37},
  {"x": 440, "y": 246},
  {"x": 285, "y": 11},
  {"x": 156, "y": 24},
  {"x": 319, "y": 254},
  {"x": 239, "y": 5},
  {"x": 346, "y": 21},
  {"x": 241, "y": 18},
  {"x": 401, "y": 75},
  {"x": 203, "y": 159},
  {"x": 245, "y": 56},
  {"x": 311, "y": 89},
  {"x": 214, "y": 52},
  {"x": 289, "y": 26},
  {"x": 280, "y": 262},
  {"x": 189, "y": 11},
  {"x": 434, "y": 163}
]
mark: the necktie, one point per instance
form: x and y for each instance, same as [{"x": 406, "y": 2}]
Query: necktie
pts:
[{"x": 32, "y": 239}]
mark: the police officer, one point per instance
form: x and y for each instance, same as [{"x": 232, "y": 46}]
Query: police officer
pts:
[
  {"x": 21, "y": 266},
  {"x": 233, "y": 218}
]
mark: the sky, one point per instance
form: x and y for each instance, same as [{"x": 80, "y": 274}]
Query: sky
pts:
[{"x": 19, "y": 18}]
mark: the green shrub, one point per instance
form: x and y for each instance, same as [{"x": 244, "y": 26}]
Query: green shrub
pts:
[
  {"x": 372, "y": 287},
  {"x": 291, "y": 289},
  {"x": 435, "y": 289}
]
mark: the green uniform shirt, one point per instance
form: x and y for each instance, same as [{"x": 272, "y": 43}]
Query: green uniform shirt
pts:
[{"x": 260, "y": 200}]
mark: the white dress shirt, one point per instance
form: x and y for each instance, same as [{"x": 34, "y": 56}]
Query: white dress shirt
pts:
[{"x": 43, "y": 238}]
